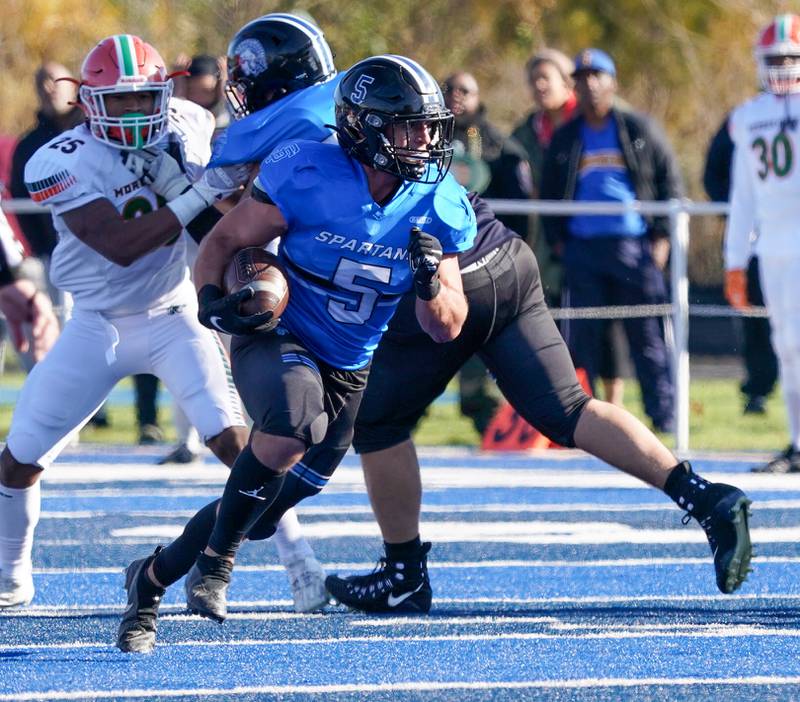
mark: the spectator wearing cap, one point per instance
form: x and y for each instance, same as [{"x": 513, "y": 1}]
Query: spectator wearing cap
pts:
[{"x": 611, "y": 154}]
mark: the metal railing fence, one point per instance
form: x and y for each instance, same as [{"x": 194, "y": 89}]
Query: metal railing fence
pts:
[{"x": 678, "y": 310}]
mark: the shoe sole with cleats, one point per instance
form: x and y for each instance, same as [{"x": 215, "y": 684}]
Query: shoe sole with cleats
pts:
[{"x": 738, "y": 567}]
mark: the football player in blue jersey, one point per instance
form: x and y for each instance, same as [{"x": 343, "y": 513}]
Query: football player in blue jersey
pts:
[
  {"x": 281, "y": 80},
  {"x": 346, "y": 216}
]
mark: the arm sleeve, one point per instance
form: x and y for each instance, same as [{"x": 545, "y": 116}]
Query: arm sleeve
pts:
[
  {"x": 203, "y": 223},
  {"x": 456, "y": 227},
  {"x": 260, "y": 194},
  {"x": 668, "y": 182},
  {"x": 741, "y": 220}
]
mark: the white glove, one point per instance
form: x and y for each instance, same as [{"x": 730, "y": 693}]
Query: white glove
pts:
[
  {"x": 158, "y": 170},
  {"x": 215, "y": 184}
]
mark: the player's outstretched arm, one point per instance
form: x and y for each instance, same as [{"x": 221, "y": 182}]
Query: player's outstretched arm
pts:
[
  {"x": 99, "y": 225},
  {"x": 250, "y": 223}
]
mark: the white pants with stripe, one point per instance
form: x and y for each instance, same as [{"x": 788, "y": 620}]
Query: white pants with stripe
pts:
[{"x": 96, "y": 351}]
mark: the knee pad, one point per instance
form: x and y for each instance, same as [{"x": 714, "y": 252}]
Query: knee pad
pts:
[{"x": 318, "y": 429}]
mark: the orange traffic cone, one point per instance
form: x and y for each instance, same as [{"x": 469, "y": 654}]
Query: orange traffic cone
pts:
[{"x": 508, "y": 431}]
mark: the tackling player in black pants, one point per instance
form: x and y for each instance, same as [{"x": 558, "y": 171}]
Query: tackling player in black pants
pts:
[{"x": 510, "y": 328}]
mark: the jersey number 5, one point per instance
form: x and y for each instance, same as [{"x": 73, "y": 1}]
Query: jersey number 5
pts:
[{"x": 356, "y": 277}]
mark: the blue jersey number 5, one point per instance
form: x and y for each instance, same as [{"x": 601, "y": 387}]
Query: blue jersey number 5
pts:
[{"x": 355, "y": 277}]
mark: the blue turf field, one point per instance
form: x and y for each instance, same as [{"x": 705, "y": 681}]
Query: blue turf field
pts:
[{"x": 554, "y": 578}]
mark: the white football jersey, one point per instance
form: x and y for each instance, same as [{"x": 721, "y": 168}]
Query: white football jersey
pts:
[
  {"x": 765, "y": 179},
  {"x": 74, "y": 169}
]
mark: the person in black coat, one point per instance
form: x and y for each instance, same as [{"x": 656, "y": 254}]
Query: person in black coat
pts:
[{"x": 610, "y": 154}]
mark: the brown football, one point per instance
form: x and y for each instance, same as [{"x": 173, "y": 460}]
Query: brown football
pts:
[{"x": 264, "y": 273}]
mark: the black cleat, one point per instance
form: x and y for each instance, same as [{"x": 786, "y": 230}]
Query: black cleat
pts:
[
  {"x": 137, "y": 630},
  {"x": 206, "y": 586},
  {"x": 786, "y": 462},
  {"x": 180, "y": 454},
  {"x": 726, "y": 527},
  {"x": 755, "y": 404},
  {"x": 393, "y": 587}
]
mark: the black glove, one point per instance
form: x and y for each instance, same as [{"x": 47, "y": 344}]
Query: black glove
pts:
[
  {"x": 221, "y": 312},
  {"x": 424, "y": 257}
]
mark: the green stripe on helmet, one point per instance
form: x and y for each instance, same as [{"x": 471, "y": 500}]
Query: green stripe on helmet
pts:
[
  {"x": 127, "y": 55},
  {"x": 783, "y": 27}
]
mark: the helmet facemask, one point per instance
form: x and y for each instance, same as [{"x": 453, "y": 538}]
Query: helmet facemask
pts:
[
  {"x": 777, "y": 74},
  {"x": 133, "y": 130},
  {"x": 777, "y": 55},
  {"x": 386, "y": 143},
  {"x": 122, "y": 65}
]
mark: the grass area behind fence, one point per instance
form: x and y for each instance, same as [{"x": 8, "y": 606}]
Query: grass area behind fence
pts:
[{"x": 716, "y": 420}]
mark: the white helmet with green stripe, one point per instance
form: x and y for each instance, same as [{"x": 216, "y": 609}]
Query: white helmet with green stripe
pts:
[
  {"x": 118, "y": 66},
  {"x": 778, "y": 55}
]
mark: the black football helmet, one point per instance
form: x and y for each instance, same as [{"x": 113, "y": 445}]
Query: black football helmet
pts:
[
  {"x": 273, "y": 56},
  {"x": 381, "y": 103}
]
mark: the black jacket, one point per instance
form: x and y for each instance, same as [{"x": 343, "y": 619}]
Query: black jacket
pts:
[
  {"x": 717, "y": 172},
  {"x": 651, "y": 164}
]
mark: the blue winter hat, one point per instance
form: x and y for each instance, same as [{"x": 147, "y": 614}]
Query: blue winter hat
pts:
[{"x": 594, "y": 60}]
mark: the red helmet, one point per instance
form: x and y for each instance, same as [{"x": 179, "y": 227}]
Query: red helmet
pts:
[
  {"x": 780, "y": 41},
  {"x": 124, "y": 63}
]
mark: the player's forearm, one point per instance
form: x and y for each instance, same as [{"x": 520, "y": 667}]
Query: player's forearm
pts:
[
  {"x": 121, "y": 241},
  {"x": 250, "y": 223},
  {"x": 136, "y": 238},
  {"x": 443, "y": 316},
  {"x": 215, "y": 251}
]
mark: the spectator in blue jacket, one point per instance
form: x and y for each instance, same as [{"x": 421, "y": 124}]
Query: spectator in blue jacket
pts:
[{"x": 611, "y": 154}]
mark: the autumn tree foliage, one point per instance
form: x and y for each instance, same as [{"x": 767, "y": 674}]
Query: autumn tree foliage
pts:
[{"x": 687, "y": 63}]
